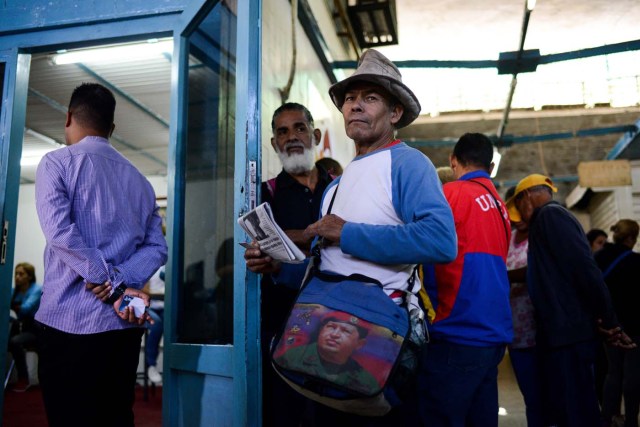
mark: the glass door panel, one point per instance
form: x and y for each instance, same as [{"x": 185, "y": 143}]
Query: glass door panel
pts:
[{"x": 205, "y": 305}]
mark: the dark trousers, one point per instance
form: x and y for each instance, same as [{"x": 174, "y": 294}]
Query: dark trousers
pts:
[
  {"x": 458, "y": 385},
  {"x": 568, "y": 385},
  {"x": 526, "y": 367},
  {"x": 18, "y": 342},
  {"x": 89, "y": 380},
  {"x": 623, "y": 378}
]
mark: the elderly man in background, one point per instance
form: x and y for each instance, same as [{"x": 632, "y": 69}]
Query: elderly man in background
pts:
[
  {"x": 294, "y": 196},
  {"x": 380, "y": 225},
  {"x": 570, "y": 299}
]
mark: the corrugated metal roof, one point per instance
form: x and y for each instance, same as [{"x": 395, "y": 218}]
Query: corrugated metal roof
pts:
[{"x": 142, "y": 91}]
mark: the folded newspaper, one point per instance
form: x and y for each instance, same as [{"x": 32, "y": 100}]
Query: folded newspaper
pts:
[{"x": 261, "y": 227}]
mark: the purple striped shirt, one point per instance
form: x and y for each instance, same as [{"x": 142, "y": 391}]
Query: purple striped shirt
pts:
[{"x": 100, "y": 220}]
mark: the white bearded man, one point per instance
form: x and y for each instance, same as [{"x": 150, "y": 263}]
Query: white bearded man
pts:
[{"x": 295, "y": 196}]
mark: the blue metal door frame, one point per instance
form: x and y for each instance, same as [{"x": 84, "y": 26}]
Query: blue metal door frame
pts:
[
  {"x": 49, "y": 33},
  {"x": 242, "y": 360},
  {"x": 12, "y": 114}
]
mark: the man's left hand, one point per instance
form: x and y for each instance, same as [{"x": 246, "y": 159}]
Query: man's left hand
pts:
[
  {"x": 329, "y": 227},
  {"x": 102, "y": 291}
]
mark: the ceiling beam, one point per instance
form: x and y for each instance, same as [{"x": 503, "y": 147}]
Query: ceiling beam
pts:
[
  {"x": 62, "y": 109},
  {"x": 44, "y": 138},
  {"x": 525, "y": 139},
  {"x": 624, "y": 142},
  {"x": 148, "y": 111},
  {"x": 312, "y": 30},
  {"x": 544, "y": 59}
]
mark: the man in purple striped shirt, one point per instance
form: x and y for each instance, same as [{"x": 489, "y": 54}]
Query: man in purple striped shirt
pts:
[{"x": 104, "y": 240}]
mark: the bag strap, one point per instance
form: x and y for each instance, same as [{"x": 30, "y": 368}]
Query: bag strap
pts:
[
  {"x": 359, "y": 277},
  {"x": 271, "y": 186},
  {"x": 321, "y": 242},
  {"x": 333, "y": 198},
  {"x": 498, "y": 204},
  {"x": 411, "y": 281},
  {"x": 356, "y": 277},
  {"x": 615, "y": 262}
]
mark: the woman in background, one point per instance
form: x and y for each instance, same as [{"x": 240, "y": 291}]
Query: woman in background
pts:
[
  {"x": 597, "y": 238},
  {"x": 621, "y": 268},
  {"x": 24, "y": 303},
  {"x": 522, "y": 351}
]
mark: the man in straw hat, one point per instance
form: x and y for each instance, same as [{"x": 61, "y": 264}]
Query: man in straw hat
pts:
[
  {"x": 389, "y": 213},
  {"x": 570, "y": 299}
]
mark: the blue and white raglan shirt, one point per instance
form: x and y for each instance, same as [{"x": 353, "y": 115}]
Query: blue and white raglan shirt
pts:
[{"x": 397, "y": 217}]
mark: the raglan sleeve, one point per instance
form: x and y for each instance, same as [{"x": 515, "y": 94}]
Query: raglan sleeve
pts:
[{"x": 427, "y": 234}]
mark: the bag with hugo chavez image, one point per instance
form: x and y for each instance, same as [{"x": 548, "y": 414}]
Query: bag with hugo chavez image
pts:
[{"x": 348, "y": 345}]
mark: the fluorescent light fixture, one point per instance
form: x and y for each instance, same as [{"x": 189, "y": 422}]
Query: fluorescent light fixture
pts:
[
  {"x": 496, "y": 162},
  {"x": 129, "y": 52},
  {"x": 43, "y": 138},
  {"x": 531, "y": 4}
]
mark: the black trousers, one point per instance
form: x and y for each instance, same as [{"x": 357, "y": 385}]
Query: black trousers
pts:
[{"x": 89, "y": 380}]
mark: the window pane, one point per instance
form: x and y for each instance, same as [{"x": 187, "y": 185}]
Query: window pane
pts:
[{"x": 205, "y": 313}]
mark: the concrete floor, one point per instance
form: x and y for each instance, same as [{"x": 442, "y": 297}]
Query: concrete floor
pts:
[{"x": 509, "y": 397}]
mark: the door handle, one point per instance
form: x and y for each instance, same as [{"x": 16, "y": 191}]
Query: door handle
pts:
[
  {"x": 5, "y": 237},
  {"x": 253, "y": 184}
]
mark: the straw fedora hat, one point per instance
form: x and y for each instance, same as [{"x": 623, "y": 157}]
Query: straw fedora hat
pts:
[{"x": 376, "y": 68}]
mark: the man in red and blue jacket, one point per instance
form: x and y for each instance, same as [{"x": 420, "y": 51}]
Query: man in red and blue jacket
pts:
[{"x": 468, "y": 299}]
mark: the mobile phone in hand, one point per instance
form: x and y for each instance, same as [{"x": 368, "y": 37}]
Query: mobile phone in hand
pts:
[{"x": 126, "y": 301}]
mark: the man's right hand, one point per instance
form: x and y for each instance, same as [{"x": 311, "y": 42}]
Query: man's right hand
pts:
[
  {"x": 103, "y": 292},
  {"x": 303, "y": 243},
  {"x": 616, "y": 337},
  {"x": 128, "y": 313},
  {"x": 258, "y": 262}
]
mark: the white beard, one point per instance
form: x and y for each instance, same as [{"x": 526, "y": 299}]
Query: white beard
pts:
[{"x": 297, "y": 163}]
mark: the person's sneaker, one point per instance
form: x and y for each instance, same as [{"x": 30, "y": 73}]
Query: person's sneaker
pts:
[
  {"x": 154, "y": 375},
  {"x": 21, "y": 386}
]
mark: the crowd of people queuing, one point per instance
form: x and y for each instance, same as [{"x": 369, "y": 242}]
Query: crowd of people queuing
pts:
[
  {"x": 523, "y": 276},
  {"x": 516, "y": 274}
]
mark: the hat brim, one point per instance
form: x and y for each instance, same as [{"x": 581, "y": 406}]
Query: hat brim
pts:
[
  {"x": 405, "y": 96},
  {"x": 514, "y": 213}
]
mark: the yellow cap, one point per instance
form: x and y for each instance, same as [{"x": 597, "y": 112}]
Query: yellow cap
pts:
[{"x": 525, "y": 183}]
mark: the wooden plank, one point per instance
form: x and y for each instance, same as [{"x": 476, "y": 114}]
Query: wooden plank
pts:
[{"x": 605, "y": 173}]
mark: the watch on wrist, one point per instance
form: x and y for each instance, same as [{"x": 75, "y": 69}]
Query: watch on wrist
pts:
[{"x": 117, "y": 293}]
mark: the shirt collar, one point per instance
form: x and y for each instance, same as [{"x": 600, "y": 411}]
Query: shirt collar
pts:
[
  {"x": 93, "y": 138},
  {"x": 536, "y": 211},
  {"x": 286, "y": 180},
  {"x": 475, "y": 174}
]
